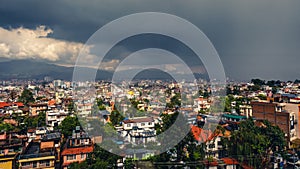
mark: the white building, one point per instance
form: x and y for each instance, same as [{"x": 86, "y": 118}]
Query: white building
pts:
[
  {"x": 55, "y": 117},
  {"x": 138, "y": 130}
]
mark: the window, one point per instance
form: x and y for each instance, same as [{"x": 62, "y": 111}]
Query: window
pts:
[
  {"x": 128, "y": 125},
  {"x": 25, "y": 164},
  {"x": 82, "y": 156},
  {"x": 34, "y": 164},
  {"x": 47, "y": 163},
  {"x": 292, "y": 122},
  {"x": 71, "y": 157},
  {"x": 150, "y": 123},
  {"x": 142, "y": 124},
  {"x": 212, "y": 146}
]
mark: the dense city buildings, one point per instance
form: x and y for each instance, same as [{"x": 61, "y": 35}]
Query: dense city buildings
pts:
[{"x": 59, "y": 124}]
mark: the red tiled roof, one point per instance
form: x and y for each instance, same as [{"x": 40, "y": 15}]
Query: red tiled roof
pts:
[
  {"x": 19, "y": 104},
  {"x": 77, "y": 150},
  {"x": 139, "y": 120},
  {"x": 201, "y": 135},
  {"x": 31, "y": 130},
  {"x": 5, "y": 104},
  {"x": 51, "y": 102},
  {"x": 229, "y": 161}
]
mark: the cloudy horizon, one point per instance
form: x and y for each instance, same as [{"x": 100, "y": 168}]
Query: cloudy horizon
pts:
[{"x": 254, "y": 39}]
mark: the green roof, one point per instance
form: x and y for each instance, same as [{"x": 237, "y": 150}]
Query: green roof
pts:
[{"x": 234, "y": 116}]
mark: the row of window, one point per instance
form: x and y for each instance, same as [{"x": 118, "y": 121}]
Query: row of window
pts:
[
  {"x": 34, "y": 164},
  {"x": 73, "y": 157},
  {"x": 142, "y": 124}
]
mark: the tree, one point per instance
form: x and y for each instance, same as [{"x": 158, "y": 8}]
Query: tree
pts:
[
  {"x": 38, "y": 121},
  {"x": 116, "y": 117},
  {"x": 6, "y": 127},
  {"x": 250, "y": 144},
  {"x": 99, "y": 158},
  {"x": 26, "y": 97},
  {"x": 262, "y": 97},
  {"x": 258, "y": 82},
  {"x": 68, "y": 125}
]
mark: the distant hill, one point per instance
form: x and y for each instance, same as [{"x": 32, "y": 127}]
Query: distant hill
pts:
[
  {"x": 155, "y": 74},
  {"x": 30, "y": 69}
]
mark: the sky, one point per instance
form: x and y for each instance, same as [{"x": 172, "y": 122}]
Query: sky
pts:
[{"x": 254, "y": 38}]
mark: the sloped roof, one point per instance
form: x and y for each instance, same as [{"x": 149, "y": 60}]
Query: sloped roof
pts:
[
  {"x": 200, "y": 134},
  {"x": 77, "y": 150},
  {"x": 229, "y": 161},
  {"x": 139, "y": 120}
]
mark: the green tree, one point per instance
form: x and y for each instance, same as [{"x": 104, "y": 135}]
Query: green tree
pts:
[
  {"x": 6, "y": 127},
  {"x": 116, "y": 117},
  {"x": 262, "y": 97},
  {"x": 37, "y": 121},
  {"x": 26, "y": 97},
  {"x": 258, "y": 82},
  {"x": 250, "y": 144},
  {"x": 68, "y": 125}
]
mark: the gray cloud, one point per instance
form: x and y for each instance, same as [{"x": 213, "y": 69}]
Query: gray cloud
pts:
[{"x": 257, "y": 38}]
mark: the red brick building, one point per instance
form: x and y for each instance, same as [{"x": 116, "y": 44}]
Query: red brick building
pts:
[
  {"x": 278, "y": 115},
  {"x": 77, "y": 149}
]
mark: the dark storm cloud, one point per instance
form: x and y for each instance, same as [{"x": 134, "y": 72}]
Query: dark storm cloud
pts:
[{"x": 254, "y": 38}]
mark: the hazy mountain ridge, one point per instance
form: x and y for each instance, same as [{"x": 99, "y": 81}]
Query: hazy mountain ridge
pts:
[{"x": 30, "y": 69}]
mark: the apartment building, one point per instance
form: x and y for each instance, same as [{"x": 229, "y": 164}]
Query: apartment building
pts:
[
  {"x": 278, "y": 114},
  {"x": 77, "y": 148}
]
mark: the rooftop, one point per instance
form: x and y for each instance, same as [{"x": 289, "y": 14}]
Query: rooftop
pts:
[
  {"x": 34, "y": 150},
  {"x": 139, "y": 120}
]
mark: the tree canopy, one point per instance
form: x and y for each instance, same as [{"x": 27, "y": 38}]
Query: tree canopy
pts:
[
  {"x": 26, "y": 97},
  {"x": 252, "y": 143},
  {"x": 68, "y": 125}
]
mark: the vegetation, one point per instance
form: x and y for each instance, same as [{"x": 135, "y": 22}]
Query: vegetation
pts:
[
  {"x": 6, "y": 127},
  {"x": 252, "y": 144},
  {"x": 26, "y": 97},
  {"x": 116, "y": 117},
  {"x": 68, "y": 125},
  {"x": 100, "y": 158}
]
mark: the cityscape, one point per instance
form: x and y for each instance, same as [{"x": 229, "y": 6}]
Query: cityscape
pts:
[
  {"x": 149, "y": 84},
  {"x": 41, "y": 128}
]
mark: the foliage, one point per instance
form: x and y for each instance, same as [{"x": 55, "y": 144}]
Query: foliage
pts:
[
  {"x": 251, "y": 143},
  {"x": 116, "y": 117},
  {"x": 68, "y": 125},
  {"x": 257, "y": 82},
  {"x": 6, "y": 127},
  {"x": 99, "y": 158},
  {"x": 175, "y": 101},
  {"x": 262, "y": 97},
  {"x": 37, "y": 121},
  {"x": 26, "y": 97},
  {"x": 100, "y": 104}
]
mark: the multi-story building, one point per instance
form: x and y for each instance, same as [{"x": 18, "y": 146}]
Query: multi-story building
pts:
[
  {"x": 77, "y": 149},
  {"x": 36, "y": 108},
  {"x": 277, "y": 114},
  {"x": 55, "y": 117},
  {"x": 246, "y": 110},
  {"x": 38, "y": 155},
  {"x": 202, "y": 104},
  {"x": 10, "y": 147},
  {"x": 138, "y": 129}
]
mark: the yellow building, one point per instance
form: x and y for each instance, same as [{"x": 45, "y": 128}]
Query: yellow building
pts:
[
  {"x": 7, "y": 161},
  {"x": 38, "y": 155}
]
